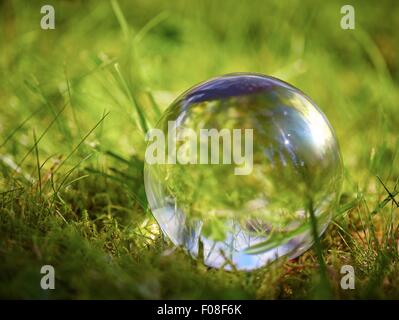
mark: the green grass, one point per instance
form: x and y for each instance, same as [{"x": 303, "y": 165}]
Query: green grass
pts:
[{"x": 76, "y": 101}]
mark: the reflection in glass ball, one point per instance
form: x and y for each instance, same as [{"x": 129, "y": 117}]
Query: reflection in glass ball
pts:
[{"x": 237, "y": 167}]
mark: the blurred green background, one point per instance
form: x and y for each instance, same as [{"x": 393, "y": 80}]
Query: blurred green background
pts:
[{"x": 75, "y": 101}]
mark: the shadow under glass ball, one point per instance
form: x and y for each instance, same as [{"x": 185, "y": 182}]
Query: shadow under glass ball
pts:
[{"x": 252, "y": 218}]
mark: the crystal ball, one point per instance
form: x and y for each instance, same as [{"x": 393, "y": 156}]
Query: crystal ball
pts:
[{"x": 241, "y": 170}]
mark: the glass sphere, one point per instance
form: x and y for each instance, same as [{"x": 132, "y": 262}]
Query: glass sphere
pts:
[{"x": 237, "y": 168}]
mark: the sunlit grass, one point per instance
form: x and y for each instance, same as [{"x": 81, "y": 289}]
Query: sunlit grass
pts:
[{"x": 76, "y": 102}]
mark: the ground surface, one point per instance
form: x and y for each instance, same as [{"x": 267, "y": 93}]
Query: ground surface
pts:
[{"x": 74, "y": 101}]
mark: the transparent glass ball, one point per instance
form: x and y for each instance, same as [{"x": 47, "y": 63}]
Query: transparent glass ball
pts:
[{"x": 247, "y": 162}]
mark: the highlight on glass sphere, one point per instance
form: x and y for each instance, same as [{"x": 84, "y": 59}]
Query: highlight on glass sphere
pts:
[{"x": 239, "y": 167}]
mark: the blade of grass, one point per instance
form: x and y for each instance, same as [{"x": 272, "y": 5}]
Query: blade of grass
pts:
[
  {"x": 80, "y": 143},
  {"x": 132, "y": 99},
  {"x": 42, "y": 135},
  {"x": 38, "y": 164}
]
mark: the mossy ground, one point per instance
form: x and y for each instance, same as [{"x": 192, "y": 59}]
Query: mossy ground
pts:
[{"x": 74, "y": 104}]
